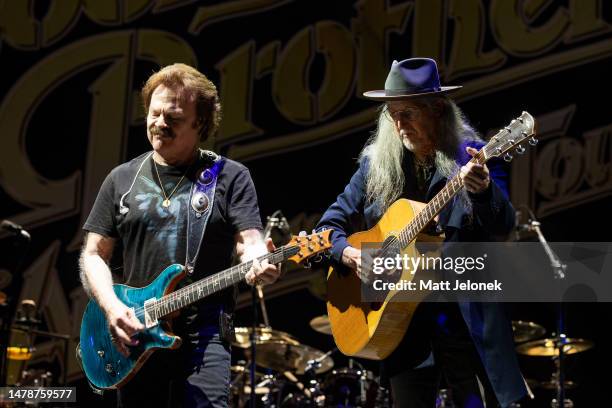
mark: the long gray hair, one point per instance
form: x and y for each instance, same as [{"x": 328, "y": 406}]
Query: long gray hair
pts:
[{"x": 385, "y": 152}]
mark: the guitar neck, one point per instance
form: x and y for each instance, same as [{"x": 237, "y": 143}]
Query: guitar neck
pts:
[
  {"x": 207, "y": 286},
  {"x": 433, "y": 208}
]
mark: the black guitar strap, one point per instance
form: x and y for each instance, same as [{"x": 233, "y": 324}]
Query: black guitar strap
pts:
[{"x": 201, "y": 205}]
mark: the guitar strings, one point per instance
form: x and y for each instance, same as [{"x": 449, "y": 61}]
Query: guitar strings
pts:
[
  {"x": 404, "y": 237},
  {"x": 170, "y": 298}
]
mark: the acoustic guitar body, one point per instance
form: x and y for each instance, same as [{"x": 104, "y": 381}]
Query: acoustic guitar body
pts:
[{"x": 367, "y": 329}]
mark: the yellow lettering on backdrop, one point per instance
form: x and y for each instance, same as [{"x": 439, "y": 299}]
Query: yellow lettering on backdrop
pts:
[
  {"x": 115, "y": 12},
  {"x": 266, "y": 59},
  {"x": 236, "y": 85},
  {"x": 429, "y": 31},
  {"x": 164, "y": 5},
  {"x": 290, "y": 85},
  {"x": 467, "y": 55},
  {"x": 523, "y": 179},
  {"x": 598, "y": 159},
  {"x": 587, "y": 19},
  {"x": 335, "y": 42},
  {"x": 510, "y": 25},
  {"x": 290, "y": 91},
  {"x": 560, "y": 168},
  {"x": 208, "y": 15},
  {"x": 60, "y": 19},
  {"x": 53, "y": 199},
  {"x": 17, "y": 25},
  {"x": 374, "y": 23}
]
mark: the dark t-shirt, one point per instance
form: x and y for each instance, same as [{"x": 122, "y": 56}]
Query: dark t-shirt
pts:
[{"x": 153, "y": 237}]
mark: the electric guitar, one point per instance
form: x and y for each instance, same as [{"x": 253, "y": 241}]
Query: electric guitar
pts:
[
  {"x": 102, "y": 363},
  {"x": 374, "y": 330}
]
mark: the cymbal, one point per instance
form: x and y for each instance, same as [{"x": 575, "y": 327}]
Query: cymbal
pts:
[
  {"x": 18, "y": 353},
  {"x": 262, "y": 335},
  {"x": 525, "y": 331},
  {"x": 546, "y": 347},
  {"x": 321, "y": 324},
  {"x": 290, "y": 357}
]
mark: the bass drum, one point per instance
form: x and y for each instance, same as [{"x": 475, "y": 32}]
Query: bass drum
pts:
[{"x": 348, "y": 387}]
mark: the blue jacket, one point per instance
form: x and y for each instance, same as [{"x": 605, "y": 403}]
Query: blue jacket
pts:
[{"x": 492, "y": 220}]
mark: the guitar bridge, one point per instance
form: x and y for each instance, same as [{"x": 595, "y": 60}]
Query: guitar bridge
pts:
[{"x": 150, "y": 317}]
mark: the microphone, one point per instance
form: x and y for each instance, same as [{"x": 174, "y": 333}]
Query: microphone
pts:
[
  {"x": 530, "y": 226},
  {"x": 277, "y": 220},
  {"x": 15, "y": 229}
]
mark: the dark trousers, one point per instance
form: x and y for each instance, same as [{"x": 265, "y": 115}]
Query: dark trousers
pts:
[
  {"x": 196, "y": 375},
  {"x": 438, "y": 328}
]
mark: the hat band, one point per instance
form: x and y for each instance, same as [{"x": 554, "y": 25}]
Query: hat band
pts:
[{"x": 397, "y": 92}]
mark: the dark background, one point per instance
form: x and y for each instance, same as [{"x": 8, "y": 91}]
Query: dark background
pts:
[{"x": 304, "y": 181}]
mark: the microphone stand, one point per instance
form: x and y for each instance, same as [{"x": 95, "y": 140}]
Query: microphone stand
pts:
[
  {"x": 9, "y": 307},
  {"x": 277, "y": 220},
  {"x": 253, "y": 339},
  {"x": 559, "y": 274}
]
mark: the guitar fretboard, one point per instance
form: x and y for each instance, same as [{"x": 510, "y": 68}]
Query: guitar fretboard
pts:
[
  {"x": 433, "y": 207},
  {"x": 212, "y": 284}
]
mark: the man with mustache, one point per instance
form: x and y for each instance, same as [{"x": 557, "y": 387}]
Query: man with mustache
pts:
[
  {"x": 143, "y": 207},
  {"x": 422, "y": 139}
]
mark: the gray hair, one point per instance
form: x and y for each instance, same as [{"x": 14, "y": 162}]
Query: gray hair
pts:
[{"x": 385, "y": 152}]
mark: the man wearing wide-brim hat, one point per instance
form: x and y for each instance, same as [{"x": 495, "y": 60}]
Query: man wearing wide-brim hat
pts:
[{"x": 422, "y": 139}]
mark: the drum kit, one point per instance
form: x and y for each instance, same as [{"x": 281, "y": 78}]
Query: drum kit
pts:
[
  {"x": 527, "y": 336},
  {"x": 21, "y": 349},
  {"x": 297, "y": 375}
]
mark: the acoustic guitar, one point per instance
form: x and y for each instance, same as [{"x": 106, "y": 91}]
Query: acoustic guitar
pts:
[
  {"x": 153, "y": 305},
  {"x": 373, "y": 330}
]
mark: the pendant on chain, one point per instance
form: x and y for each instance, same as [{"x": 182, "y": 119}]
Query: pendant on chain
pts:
[{"x": 166, "y": 203}]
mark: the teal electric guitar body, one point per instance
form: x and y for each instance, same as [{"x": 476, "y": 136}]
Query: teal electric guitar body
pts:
[{"x": 102, "y": 363}]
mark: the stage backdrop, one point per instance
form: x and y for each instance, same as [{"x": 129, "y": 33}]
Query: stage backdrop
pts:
[{"x": 291, "y": 76}]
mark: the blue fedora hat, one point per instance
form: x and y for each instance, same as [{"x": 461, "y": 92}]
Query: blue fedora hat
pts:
[{"x": 411, "y": 78}]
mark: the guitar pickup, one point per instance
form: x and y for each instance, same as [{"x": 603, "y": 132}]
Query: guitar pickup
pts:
[{"x": 150, "y": 317}]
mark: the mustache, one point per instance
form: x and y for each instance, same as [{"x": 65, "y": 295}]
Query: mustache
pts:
[{"x": 157, "y": 131}]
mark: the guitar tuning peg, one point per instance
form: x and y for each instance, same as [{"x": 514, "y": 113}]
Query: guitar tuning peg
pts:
[
  {"x": 302, "y": 234},
  {"x": 508, "y": 157},
  {"x": 520, "y": 149},
  {"x": 307, "y": 265},
  {"x": 533, "y": 141},
  {"x": 317, "y": 259}
]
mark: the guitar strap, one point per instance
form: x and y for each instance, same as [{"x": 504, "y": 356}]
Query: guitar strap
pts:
[
  {"x": 201, "y": 207},
  {"x": 201, "y": 201}
]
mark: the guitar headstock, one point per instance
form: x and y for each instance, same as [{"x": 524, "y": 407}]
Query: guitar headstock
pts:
[
  {"x": 307, "y": 246},
  {"x": 519, "y": 130}
]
